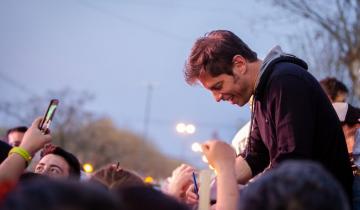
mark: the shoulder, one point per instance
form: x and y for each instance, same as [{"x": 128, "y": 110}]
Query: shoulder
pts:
[
  {"x": 292, "y": 81},
  {"x": 290, "y": 74}
]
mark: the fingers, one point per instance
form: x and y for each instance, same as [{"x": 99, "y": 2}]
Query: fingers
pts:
[
  {"x": 191, "y": 200},
  {"x": 36, "y": 122},
  {"x": 47, "y": 131},
  {"x": 205, "y": 147},
  {"x": 191, "y": 197},
  {"x": 180, "y": 180},
  {"x": 182, "y": 170}
]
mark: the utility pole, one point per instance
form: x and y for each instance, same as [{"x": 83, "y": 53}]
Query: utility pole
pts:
[{"x": 149, "y": 90}]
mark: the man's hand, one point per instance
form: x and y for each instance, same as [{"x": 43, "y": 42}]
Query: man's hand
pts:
[
  {"x": 220, "y": 155},
  {"x": 34, "y": 139},
  {"x": 180, "y": 180},
  {"x": 191, "y": 198}
]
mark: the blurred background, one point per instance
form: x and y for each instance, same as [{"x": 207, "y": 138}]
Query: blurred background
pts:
[{"x": 117, "y": 68}]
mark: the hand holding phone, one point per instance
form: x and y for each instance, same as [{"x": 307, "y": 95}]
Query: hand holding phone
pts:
[{"x": 49, "y": 114}]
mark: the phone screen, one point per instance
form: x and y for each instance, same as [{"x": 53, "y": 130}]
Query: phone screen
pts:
[{"x": 49, "y": 114}]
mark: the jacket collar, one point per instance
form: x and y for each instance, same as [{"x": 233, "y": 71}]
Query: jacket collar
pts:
[{"x": 275, "y": 56}]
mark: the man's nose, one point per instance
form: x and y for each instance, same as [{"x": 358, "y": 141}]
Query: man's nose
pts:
[
  {"x": 217, "y": 96},
  {"x": 45, "y": 171}
]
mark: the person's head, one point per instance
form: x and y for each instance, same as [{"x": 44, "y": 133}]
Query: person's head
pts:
[
  {"x": 141, "y": 197},
  {"x": 349, "y": 117},
  {"x": 335, "y": 90},
  {"x": 294, "y": 185},
  {"x": 220, "y": 61},
  {"x": 4, "y": 150},
  {"x": 115, "y": 177},
  {"x": 50, "y": 194},
  {"x": 15, "y": 135},
  {"x": 58, "y": 163}
]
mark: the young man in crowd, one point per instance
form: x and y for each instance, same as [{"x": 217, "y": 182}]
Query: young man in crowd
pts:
[
  {"x": 20, "y": 157},
  {"x": 350, "y": 120},
  {"x": 57, "y": 163},
  {"x": 292, "y": 117},
  {"x": 15, "y": 135},
  {"x": 335, "y": 89}
]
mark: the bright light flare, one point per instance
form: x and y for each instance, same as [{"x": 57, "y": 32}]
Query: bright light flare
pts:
[
  {"x": 88, "y": 168},
  {"x": 196, "y": 147},
  {"x": 181, "y": 128},
  {"x": 204, "y": 159},
  {"x": 190, "y": 128},
  {"x": 149, "y": 180}
]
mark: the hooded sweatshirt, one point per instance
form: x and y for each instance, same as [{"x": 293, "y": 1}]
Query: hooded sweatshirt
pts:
[{"x": 293, "y": 119}]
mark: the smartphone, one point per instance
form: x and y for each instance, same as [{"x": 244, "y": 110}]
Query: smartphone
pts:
[
  {"x": 49, "y": 114},
  {"x": 196, "y": 187}
]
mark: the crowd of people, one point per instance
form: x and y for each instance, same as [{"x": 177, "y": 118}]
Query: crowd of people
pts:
[{"x": 302, "y": 151}]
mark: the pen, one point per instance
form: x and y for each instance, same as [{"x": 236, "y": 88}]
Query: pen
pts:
[{"x": 196, "y": 189}]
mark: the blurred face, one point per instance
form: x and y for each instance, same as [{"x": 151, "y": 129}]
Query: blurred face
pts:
[
  {"x": 236, "y": 89},
  {"x": 341, "y": 97},
  {"x": 53, "y": 166},
  {"x": 15, "y": 138}
]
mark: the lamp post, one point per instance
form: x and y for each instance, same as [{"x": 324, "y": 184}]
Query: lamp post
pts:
[
  {"x": 150, "y": 88},
  {"x": 185, "y": 129}
]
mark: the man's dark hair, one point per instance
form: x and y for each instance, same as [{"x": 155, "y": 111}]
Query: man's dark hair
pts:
[
  {"x": 21, "y": 129},
  {"x": 73, "y": 162},
  {"x": 294, "y": 185},
  {"x": 333, "y": 87},
  {"x": 4, "y": 150},
  {"x": 115, "y": 177},
  {"x": 214, "y": 54}
]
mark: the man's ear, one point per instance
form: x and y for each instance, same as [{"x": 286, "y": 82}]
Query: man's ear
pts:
[{"x": 239, "y": 63}]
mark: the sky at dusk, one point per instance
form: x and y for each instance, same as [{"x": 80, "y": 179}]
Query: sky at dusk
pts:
[{"x": 114, "y": 49}]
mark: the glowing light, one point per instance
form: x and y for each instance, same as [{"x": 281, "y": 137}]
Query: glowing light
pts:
[
  {"x": 88, "y": 168},
  {"x": 196, "y": 147},
  {"x": 204, "y": 159},
  {"x": 185, "y": 128},
  {"x": 212, "y": 168},
  {"x": 190, "y": 128},
  {"x": 149, "y": 180},
  {"x": 181, "y": 128}
]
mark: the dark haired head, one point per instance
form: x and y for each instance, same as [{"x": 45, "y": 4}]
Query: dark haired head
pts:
[
  {"x": 21, "y": 129},
  {"x": 73, "y": 162},
  {"x": 295, "y": 185},
  {"x": 333, "y": 88},
  {"x": 4, "y": 150},
  {"x": 14, "y": 135},
  {"x": 115, "y": 177},
  {"x": 214, "y": 53}
]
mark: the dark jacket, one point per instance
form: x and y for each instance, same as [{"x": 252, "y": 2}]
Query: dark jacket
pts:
[{"x": 294, "y": 119}]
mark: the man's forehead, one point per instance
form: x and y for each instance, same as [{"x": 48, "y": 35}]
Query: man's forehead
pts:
[
  {"x": 53, "y": 158},
  {"x": 206, "y": 80},
  {"x": 16, "y": 133}
]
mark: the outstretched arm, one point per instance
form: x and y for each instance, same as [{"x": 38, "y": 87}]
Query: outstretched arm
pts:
[
  {"x": 222, "y": 156},
  {"x": 14, "y": 165}
]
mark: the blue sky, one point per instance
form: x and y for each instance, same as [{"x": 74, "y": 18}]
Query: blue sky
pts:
[{"x": 113, "y": 49}]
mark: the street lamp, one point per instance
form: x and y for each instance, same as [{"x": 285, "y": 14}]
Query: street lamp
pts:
[
  {"x": 190, "y": 128},
  {"x": 185, "y": 128}
]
